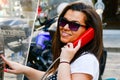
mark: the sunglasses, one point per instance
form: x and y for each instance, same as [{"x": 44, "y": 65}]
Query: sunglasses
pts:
[{"x": 72, "y": 24}]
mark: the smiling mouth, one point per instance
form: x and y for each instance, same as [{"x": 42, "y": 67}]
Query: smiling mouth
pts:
[{"x": 64, "y": 34}]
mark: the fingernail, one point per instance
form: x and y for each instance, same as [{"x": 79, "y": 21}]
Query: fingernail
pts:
[{"x": 5, "y": 70}]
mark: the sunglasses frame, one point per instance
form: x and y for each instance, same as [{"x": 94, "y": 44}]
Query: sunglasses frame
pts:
[{"x": 72, "y": 24}]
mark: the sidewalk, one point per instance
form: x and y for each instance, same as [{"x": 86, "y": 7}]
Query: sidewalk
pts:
[
  {"x": 112, "y": 66},
  {"x": 111, "y": 40}
]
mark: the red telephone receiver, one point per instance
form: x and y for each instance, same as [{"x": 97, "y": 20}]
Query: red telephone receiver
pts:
[{"x": 85, "y": 37}]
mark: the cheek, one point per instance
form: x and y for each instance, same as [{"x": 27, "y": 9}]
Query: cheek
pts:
[
  {"x": 73, "y": 35},
  {"x": 69, "y": 38},
  {"x": 78, "y": 33}
]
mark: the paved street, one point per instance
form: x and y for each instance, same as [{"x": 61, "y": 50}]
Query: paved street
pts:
[
  {"x": 112, "y": 44},
  {"x": 112, "y": 66}
]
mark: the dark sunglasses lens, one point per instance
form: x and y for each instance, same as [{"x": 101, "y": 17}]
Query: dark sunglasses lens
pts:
[
  {"x": 62, "y": 22},
  {"x": 74, "y": 26}
]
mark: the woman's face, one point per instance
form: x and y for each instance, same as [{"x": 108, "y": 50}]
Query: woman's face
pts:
[{"x": 68, "y": 35}]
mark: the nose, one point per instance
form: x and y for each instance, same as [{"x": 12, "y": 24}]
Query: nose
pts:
[{"x": 66, "y": 26}]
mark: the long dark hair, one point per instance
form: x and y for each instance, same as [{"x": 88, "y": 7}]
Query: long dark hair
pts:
[{"x": 95, "y": 46}]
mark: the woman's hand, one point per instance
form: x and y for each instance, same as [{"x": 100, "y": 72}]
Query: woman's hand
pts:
[
  {"x": 14, "y": 67},
  {"x": 68, "y": 51},
  {"x": 17, "y": 68}
]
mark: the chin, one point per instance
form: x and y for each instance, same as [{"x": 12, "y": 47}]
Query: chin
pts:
[{"x": 64, "y": 41}]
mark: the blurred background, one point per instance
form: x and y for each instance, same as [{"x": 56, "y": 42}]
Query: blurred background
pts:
[
  {"x": 16, "y": 23},
  {"x": 20, "y": 19}
]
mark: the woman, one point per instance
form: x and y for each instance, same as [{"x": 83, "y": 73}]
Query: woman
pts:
[{"x": 76, "y": 63}]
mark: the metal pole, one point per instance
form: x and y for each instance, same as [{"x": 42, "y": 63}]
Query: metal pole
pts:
[{"x": 2, "y": 65}]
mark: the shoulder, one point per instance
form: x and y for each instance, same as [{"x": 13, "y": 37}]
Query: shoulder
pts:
[
  {"x": 86, "y": 63},
  {"x": 86, "y": 57}
]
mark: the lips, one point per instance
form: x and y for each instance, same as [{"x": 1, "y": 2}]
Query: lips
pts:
[{"x": 64, "y": 34}]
